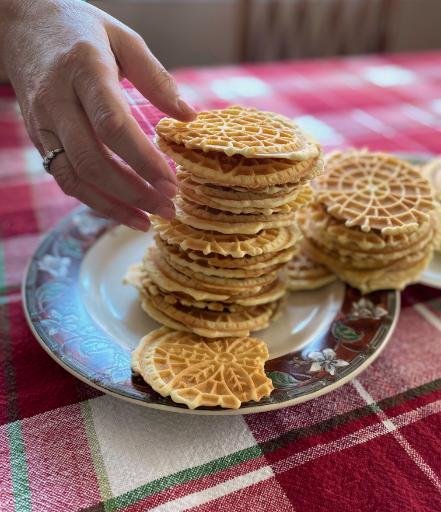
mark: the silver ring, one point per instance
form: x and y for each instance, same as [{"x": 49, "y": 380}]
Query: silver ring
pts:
[{"x": 49, "y": 156}]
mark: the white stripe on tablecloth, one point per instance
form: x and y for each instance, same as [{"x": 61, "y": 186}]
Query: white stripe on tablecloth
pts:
[
  {"x": 140, "y": 445},
  {"x": 428, "y": 315},
  {"x": 392, "y": 427},
  {"x": 355, "y": 438},
  {"x": 217, "y": 491}
]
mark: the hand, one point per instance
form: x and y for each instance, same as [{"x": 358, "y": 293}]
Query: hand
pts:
[{"x": 64, "y": 59}]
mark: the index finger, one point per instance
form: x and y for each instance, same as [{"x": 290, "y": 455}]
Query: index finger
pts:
[{"x": 113, "y": 123}]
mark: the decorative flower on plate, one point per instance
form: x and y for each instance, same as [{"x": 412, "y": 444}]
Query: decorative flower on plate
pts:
[
  {"x": 57, "y": 322},
  {"x": 365, "y": 308},
  {"x": 88, "y": 225},
  {"x": 325, "y": 360},
  {"x": 56, "y": 266}
]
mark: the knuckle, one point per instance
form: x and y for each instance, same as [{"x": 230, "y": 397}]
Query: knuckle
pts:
[
  {"x": 134, "y": 36},
  {"x": 163, "y": 80},
  {"x": 113, "y": 212},
  {"x": 40, "y": 100},
  {"x": 35, "y": 139},
  {"x": 109, "y": 125},
  {"x": 86, "y": 166},
  {"x": 149, "y": 203},
  {"x": 79, "y": 54},
  {"x": 138, "y": 40}
]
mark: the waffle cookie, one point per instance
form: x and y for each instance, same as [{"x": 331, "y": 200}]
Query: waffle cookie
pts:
[
  {"x": 372, "y": 222},
  {"x": 206, "y": 322},
  {"x": 241, "y": 131},
  {"x": 235, "y": 245},
  {"x": 241, "y": 201},
  {"x": 237, "y": 171},
  {"x": 209, "y": 219},
  {"x": 200, "y": 264},
  {"x": 303, "y": 273},
  {"x": 197, "y": 372},
  {"x": 375, "y": 191}
]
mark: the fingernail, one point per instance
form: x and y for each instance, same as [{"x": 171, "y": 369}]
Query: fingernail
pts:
[
  {"x": 185, "y": 108},
  {"x": 140, "y": 224},
  {"x": 166, "y": 212},
  {"x": 168, "y": 188}
]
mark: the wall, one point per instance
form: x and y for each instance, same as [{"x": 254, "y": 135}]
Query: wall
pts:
[
  {"x": 182, "y": 32},
  {"x": 201, "y": 32}
]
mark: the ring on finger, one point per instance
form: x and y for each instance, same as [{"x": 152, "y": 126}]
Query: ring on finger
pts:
[{"x": 49, "y": 157}]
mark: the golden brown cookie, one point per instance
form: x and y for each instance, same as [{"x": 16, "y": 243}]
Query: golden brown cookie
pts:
[
  {"x": 236, "y": 245},
  {"x": 237, "y": 171},
  {"x": 211, "y": 324},
  {"x": 302, "y": 273},
  {"x": 374, "y": 191},
  {"x": 241, "y": 131},
  {"x": 263, "y": 201},
  {"x": 209, "y": 219},
  {"x": 198, "y": 372}
]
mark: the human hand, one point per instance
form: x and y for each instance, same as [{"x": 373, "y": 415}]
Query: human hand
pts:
[{"x": 64, "y": 59}]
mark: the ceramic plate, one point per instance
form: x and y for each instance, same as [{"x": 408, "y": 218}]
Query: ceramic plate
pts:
[{"x": 89, "y": 322}]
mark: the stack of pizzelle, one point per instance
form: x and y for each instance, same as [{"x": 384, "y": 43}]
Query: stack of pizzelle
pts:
[
  {"x": 302, "y": 273},
  {"x": 372, "y": 221},
  {"x": 432, "y": 172},
  {"x": 213, "y": 275}
]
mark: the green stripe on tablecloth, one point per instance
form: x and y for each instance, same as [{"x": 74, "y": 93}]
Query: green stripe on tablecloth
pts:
[
  {"x": 409, "y": 394},
  {"x": 341, "y": 419},
  {"x": 95, "y": 450},
  {"x": 19, "y": 471},
  {"x": 214, "y": 466},
  {"x": 181, "y": 477}
]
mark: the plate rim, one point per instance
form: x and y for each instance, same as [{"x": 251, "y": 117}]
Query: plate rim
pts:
[{"x": 230, "y": 412}]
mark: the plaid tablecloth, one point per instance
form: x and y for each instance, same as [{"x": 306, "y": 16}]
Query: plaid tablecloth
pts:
[{"x": 372, "y": 445}]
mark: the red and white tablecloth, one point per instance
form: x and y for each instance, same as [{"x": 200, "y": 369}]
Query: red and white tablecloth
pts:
[{"x": 372, "y": 445}]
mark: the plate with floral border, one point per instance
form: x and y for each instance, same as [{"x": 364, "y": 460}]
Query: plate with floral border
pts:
[{"x": 89, "y": 321}]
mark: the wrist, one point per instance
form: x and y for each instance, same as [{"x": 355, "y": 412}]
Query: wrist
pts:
[{"x": 12, "y": 12}]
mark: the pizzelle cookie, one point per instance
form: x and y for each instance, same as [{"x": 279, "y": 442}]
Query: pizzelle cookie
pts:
[
  {"x": 236, "y": 245},
  {"x": 316, "y": 223},
  {"x": 211, "y": 324},
  {"x": 395, "y": 276},
  {"x": 200, "y": 372},
  {"x": 372, "y": 221},
  {"x": 261, "y": 261},
  {"x": 170, "y": 279},
  {"x": 371, "y": 259},
  {"x": 302, "y": 273},
  {"x": 240, "y": 201},
  {"x": 237, "y": 171},
  {"x": 374, "y": 191},
  {"x": 175, "y": 256},
  {"x": 229, "y": 283},
  {"x": 241, "y": 131},
  {"x": 205, "y": 218}
]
